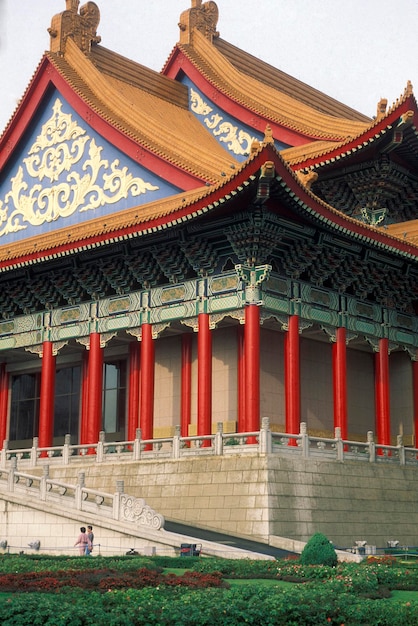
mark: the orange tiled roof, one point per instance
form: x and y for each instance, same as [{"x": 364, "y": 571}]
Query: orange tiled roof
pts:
[
  {"x": 407, "y": 231},
  {"x": 296, "y": 156},
  {"x": 284, "y": 83},
  {"x": 309, "y": 150},
  {"x": 152, "y": 113},
  {"x": 101, "y": 226},
  {"x": 264, "y": 99},
  {"x": 189, "y": 205}
]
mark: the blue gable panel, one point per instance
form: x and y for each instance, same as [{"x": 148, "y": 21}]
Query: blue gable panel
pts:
[
  {"x": 66, "y": 174},
  {"x": 234, "y": 136}
]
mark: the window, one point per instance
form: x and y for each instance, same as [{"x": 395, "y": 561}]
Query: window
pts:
[
  {"x": 114, "y": 397},
  {"x": 67, "y": 401},
  {"x": 24, "y": 408}
]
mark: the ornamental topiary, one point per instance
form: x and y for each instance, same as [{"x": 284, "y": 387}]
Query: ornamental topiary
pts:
[{"x": 319, "y": 551}]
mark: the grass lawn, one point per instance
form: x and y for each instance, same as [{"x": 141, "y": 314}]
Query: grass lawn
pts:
[{"x": 404, "y": 596}]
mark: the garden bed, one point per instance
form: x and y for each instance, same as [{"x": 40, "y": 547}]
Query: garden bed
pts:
[{"x": 139, "y": 591}]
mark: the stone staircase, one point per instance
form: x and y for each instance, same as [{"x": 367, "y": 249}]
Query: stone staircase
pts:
[{"x": 41, "y": 513}]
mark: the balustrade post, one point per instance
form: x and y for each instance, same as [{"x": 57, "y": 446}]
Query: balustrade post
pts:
[
  {"x": 100, "y": 447},
  {"x": 78, "y": 495},
  {"x": 34, "y": 452},
  {"x": 339, "y": 444},
  {"x": 120, "y": 486},
  {"x": 66, "y": 450},
  {"x": 137, "y": 444},
  {"x": 219, "y": 443},
  {"x": 265, "y": 439},
  {"x": 42, "y": 485},
  {"x": 4, "y": 452},
  {"x": 372, "y": 446},
  {"x": 401, "y": 449},
  {"x": 176, "y": 443},
  {"x": 304, "y": 440},
  {"x": 11, "y": 478}
]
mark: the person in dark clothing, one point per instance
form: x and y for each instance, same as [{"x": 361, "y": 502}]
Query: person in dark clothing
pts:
[{"x": 90, "y": 535}]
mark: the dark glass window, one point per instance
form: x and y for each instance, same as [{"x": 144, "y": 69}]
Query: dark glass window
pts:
[
  {"x": 67, "y": 401},
  {"x": 114, "y": 397},
  {"x": 24, "y": 407}
]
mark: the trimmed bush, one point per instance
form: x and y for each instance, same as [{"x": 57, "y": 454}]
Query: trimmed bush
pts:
[{"x": 319, "y": 551}]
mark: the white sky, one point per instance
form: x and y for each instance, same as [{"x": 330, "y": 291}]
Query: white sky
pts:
[{"x": 354, "y": 50}]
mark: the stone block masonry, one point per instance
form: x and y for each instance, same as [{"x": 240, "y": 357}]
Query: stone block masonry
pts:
[
  {"x": 261, "y": 496},
  {"x": 24, "y": 523}
]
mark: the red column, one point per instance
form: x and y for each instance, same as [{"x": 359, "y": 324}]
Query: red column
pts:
[
  {"x": 46, "y": 405},
  {"x": 252, "y": 368},
  {"x": 292, "y": 376},
  {"x": 339, "y": 371},
  {"x": 382, "y": 393},
  {"x": 147, "y": 383},
  {"x": 415, "y": 396},
  {"x": 186, "y": 383},
  {"x": 133, "y": 392},
  {"x": 4, "y": 402},
  {"x": 204, "y": 377},
  {"x": 84, "y": 397},
  {"x": 95, "y": 390},
  {"x": 241, "y": 379}
]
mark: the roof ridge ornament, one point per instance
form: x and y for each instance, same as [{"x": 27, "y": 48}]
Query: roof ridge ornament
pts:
[
  {"x": 381, "y": 109},
  {"x": 81, "y": 27},
  {"x": 268, "y": 136},
  {"x": 202, "y": 17},
  {"x": 308, "y": 178},
  {"x": 408, "y": 89}
]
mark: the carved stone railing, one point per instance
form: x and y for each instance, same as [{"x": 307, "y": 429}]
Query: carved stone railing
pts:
[
  {"x": 117, "y": 506},
  {"x": 223, "y": 444}
]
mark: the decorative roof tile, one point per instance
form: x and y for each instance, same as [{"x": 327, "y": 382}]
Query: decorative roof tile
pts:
[
  {"x": 320, "y": 152},
  {"x": 284, "y": 83},
  {"x": 264, "y": 99},
  {"x": 157, "y": 124}
]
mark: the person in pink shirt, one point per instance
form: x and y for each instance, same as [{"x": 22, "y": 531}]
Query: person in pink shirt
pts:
[{"x": 83, "y": 541}]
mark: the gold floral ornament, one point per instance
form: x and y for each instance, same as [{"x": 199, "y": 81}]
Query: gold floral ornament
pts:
[
  {"x": 238, "y": 141},
  {"x": 60, "y": 146}
]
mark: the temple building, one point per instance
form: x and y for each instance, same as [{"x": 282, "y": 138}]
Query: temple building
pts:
[{"x": 211, "y": 244}]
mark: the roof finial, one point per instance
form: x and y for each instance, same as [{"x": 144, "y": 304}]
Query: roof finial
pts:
[
  {"x": 308, "y": 178},
  {"x": 72, "y": 5},
  {"x": 81, "y": 27},
  {"x": 409, "y": 89},
  {"x": 381, "y": 108},
  {"x": 202, "y": 17},
  {"x": 268, "y": 136}
]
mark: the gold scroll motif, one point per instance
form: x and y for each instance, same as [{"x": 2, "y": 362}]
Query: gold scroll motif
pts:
[
  {"x": 238, "y": 141},
  {"x": 60, "y": 146}
]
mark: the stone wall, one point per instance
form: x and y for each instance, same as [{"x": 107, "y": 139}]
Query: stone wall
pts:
[
  {"x": 274, "y": 495},
  {"x": 346, "y": 501},
  {"x": 57, "y": 531},
  {"x": 228, "y": 494}
]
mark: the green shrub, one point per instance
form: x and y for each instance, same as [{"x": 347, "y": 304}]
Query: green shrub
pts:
[
  {"x": 350, "y": 593},
  {"x": 319, "y": 551}
]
